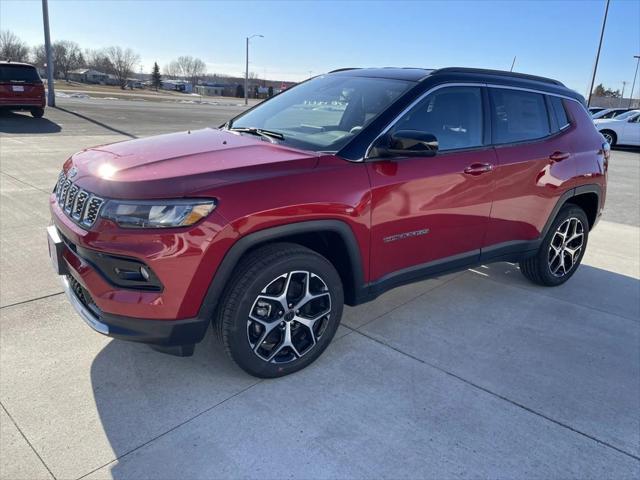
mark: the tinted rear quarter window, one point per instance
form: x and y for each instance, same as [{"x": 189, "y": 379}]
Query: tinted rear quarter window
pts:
[
  {"x": 518, "y": 116},
  {"x": 19, "y": 73},
  {"x": 560, "y": 112}
]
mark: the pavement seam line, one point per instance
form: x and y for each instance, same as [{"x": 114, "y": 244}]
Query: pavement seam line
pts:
[
  {"x": 175, "y": 427},
  {"x": 25, "y": 183},
  {"x": 589, "y": 307},
  {"x": 22, "y": 302},
  {"x": 497, "y": 395},
  {"x": 27, "y": 440}
]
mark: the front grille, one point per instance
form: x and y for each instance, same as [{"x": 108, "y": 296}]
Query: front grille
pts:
[
  {"x": 83, "y": 295},
  {"x": 79, "y": 205}
]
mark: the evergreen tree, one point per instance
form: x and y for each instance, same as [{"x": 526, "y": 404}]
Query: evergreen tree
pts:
[{"x": 156, "y": 78}]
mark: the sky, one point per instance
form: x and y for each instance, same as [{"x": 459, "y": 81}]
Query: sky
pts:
[{"x": 557, "y": 39}]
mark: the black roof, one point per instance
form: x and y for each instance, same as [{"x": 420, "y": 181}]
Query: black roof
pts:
[{"x": 461, "y": 74}]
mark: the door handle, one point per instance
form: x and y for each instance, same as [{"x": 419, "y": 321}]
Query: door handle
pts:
[
  {"x": 478, "y": 168},
  {"x": 558, "y": 156}
]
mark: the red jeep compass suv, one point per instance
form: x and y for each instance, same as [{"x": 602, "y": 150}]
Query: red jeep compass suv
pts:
[
  {"x": 332, "y": 192},
  {"x": 21, "y": 88}
]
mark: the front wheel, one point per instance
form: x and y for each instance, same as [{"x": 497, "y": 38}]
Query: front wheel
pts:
[
  {"x": 561, "y": 250},
  {"x": 280, "y": 310}
]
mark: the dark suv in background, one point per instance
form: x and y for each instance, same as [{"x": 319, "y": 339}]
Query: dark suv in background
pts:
[
  {"x": 21, "y": 88},
  {"x": 336, "y": 190}
]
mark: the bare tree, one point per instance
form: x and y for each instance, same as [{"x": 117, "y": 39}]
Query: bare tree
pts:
[
  {"x": 172, "y": 70},
  {"x": 98, "y": 60},
  {"x": 12, "y": 48},
  {"x": 187, "y": 67},
  {"x": 67, "y": 56},
  {"x": 123, "y": 62},
  {"x": 38, "y": 56}
]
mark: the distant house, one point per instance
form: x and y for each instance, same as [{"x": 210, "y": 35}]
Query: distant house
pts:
[
  {"x": 176, "y": 85},
  {"x": 211, "y": 89},
  {"x": 87, "y": 75}
]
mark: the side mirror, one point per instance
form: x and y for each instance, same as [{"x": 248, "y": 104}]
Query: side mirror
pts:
[{"x": 405, "y": 143}]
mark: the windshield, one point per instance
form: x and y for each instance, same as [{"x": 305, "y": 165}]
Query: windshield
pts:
[
  {"x": 325, "y": 113},
  {"x": 627, "y": 115},
  {"x": 19, "y": 73}
]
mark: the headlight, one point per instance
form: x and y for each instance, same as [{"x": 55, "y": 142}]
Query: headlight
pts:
[{"x": 157, "y": 214}]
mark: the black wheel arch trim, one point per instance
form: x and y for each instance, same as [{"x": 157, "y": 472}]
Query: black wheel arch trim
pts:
[
  {"x": 566, "y": 196},
  {"x": 245, "y": 243}
]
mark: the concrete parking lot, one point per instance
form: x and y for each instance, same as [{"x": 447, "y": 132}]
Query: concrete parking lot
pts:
[{"x": 475, "y": 374}]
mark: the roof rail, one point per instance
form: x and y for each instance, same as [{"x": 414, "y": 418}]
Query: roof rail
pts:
[
  {"x": 501, "y": 73},
  {"x": 344, "y": 69}
]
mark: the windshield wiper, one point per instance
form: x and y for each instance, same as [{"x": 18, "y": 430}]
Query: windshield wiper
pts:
[{"x": 268, "y": 134}]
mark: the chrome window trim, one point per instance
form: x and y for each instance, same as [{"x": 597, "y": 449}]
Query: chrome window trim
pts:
[{"x": 461, "y": 84}]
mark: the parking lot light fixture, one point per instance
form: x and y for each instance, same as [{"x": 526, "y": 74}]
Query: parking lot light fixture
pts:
[{"x": 246, "y": 71}]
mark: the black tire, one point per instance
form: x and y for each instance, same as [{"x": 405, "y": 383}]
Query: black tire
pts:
[
  {"x": 267, "y": 267},
  {"x": 539, "y": 268},
  {"x": 37, "y": 112},
  {"x": 610, "y": 137}
]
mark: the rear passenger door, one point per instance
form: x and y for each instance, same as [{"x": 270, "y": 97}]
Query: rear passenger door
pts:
[{"x": 532, "y": 136}]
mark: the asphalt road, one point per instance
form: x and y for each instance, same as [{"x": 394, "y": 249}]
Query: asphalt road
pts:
[
  {"x": 473, "y": 374},
  {"x": 130, "y": 118}
]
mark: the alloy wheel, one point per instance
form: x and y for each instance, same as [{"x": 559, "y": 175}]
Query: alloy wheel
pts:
[
  {"x": 608, "y": 137},
  {"x": 566, "y": 247},
  {"x": 289, "y": 316}
]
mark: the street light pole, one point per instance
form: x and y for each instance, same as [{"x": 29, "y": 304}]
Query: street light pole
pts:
[
  {"x": 633, "y": 85},
  {"x": 595, "y": 66},
  {"x": 624, "y": 85},
  {"x": 246, "y": 70},
  {"x": 51, "y": 100}
]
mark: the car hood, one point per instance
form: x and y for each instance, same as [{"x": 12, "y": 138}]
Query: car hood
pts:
[{"x": 182, "y": 164}]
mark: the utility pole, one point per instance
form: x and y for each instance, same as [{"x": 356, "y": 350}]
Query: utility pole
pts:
[
  {"x": 595, "y": 66},
  {"x": 51, "y": 99},
  {"x": 633, "y": 85},
  {"x": 246, "y": 70},
  {"x": 624, "y": 84}
]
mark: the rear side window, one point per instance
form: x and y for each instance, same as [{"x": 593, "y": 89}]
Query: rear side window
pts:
[
  {"x": 452, "y": 114},
  {"x": 559, "y": 111},
  {"x": 518, "y": 116},
  {"x": 19, "y": 74}
]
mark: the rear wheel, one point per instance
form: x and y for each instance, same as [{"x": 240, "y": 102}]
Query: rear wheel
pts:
[
  {"x": 610, "y": 136},
  {"x": 280, "y": 310},
  {"x": 37, "y": 112},
  {"x": 562, "y": 249}
]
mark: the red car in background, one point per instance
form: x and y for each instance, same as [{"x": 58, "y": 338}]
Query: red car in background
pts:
[{"x": 21, "y": 88}]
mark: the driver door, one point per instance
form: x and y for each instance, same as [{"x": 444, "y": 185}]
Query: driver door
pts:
[{"x": 433, "y": 211}]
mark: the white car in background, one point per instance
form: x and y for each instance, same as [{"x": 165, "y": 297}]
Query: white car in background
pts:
[{"x": 622, "y": 130}]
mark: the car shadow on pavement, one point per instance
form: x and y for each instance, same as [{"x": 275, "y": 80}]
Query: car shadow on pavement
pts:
[
  {"x": 141, "y": 394},
  {"x": 23, "y": 122}
]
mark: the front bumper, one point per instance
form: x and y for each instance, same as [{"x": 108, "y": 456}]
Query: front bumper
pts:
[
  {"x": 157, "y": 332},
  {"x": 162, "y": 333}
]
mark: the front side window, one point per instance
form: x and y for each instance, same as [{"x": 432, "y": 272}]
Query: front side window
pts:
[
  {"x": 518, "y": 116},
  {"x": 325, "y": 113},
  {"x": 452, "y": 114}
]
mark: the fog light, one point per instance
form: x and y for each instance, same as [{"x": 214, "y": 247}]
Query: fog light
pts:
[{"x": 145, "y": 273}]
